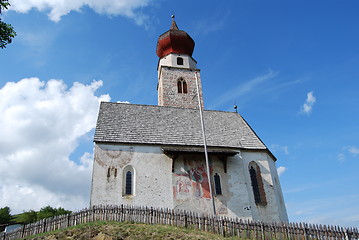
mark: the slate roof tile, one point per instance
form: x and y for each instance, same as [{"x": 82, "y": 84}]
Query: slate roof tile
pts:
[{"x": 149, "y": 124}]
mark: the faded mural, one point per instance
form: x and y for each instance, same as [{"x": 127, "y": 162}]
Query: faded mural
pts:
[
  {"x": 191, "y": 186},
  {"x": 191, "y": 181}
]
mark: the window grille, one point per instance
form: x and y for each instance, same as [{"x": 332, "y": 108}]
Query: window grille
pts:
[{"x": 128, "y": 188}]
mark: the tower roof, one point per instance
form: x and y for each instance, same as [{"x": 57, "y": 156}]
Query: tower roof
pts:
[{"x": 174, "y": 41}]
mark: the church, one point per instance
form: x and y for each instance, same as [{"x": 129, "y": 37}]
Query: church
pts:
[{"x": 155, "y": 156}]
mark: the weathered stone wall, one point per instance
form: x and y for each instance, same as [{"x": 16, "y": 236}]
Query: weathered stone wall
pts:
[{"x": 168, "y": 92}]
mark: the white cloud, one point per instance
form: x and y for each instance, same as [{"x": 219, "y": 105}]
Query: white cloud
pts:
[
  {"x": 281, "y": 170},
  {"x": 60, "y": 8},
  {"x": 243, "y": 89},
  {"x": 213, "y": 23},
  {"x": 354, "y": 150},
  {"x": 41, "y": 123},
  {"x": 346, "y": 151},
  {"x": 341, "y": 157},
  {"x": 308, "y": 105},
  {"x": 276, "y": 147},
  {"x": 339, "y": 210}
]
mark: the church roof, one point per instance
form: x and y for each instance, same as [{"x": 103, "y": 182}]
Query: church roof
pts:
[{"x": 159, "y": 125}]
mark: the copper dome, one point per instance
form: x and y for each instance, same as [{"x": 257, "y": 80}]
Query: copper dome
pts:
[{"x": 174, "y": 41}]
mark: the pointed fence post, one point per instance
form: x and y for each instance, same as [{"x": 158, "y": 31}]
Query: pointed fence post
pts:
[{"x": 346, "y": 234}]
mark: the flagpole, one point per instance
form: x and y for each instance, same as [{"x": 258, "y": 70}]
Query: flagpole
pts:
[{"x": 205, "y": 144}]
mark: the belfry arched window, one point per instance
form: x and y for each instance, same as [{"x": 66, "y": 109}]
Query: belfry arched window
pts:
[
  {"x": 217, "y": 184},
  {"x": 257, "y": 184},
  {"x": 181, "y": 85},
  {"x": 128, "y": 181}
]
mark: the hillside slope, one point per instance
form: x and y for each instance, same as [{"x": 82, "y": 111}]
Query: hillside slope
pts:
[{"x": 124, "y": 230}]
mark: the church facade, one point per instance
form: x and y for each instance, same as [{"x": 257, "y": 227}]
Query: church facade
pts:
[{"x": 153, "y": 156}]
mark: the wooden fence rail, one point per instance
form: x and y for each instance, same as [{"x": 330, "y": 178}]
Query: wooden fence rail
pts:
[{"x": 221, "y": 225}]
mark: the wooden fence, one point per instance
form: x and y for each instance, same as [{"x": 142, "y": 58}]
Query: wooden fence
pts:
[{"x": 220, "y": 225}]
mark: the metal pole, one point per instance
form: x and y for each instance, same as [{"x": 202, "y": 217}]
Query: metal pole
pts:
[{"x": 205, "y": 144}]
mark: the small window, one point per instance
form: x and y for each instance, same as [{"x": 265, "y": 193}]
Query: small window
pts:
[
  {"x": 184, "y": 86},
  {"x": 257, "y": 184},
  {"x": 179, "y": 61},
  {"x": 128, "y": 182},
  {"x": 111, "y": 171},
  {"x": 217, "y": 184},
  {"x": 181, "y": 86},
  {"x": 128, "y": 188}
]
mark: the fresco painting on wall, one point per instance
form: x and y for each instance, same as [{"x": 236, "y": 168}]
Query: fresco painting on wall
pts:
[
  {"x": 200, "y": 184},
  {"x": 193, "y": 183},
  {"x": 182, "y": 189}
]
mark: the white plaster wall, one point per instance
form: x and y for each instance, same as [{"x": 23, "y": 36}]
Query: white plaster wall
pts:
[
  {"x": 221, "y": 200},
  {"x": 171, "y": 61},
  {"x": 278, "y": 192},
  {"x": 238, "y": 185},
  {"x": 272, "y": 211},
  {"x": 157, "y": 186},
  {"x": 153, "y": 176}
]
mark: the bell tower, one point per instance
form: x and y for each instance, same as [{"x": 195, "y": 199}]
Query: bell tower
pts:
[{"x": 177, "y": 70}]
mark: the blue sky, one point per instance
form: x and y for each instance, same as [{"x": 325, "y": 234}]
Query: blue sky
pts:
[{"x": 292, "y": 67}]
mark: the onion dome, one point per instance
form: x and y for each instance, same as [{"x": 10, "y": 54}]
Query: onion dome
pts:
[{"x": 174, "y": 41}]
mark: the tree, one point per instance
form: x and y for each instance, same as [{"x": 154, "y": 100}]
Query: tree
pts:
[
  {"x": 7, "y": 32},
  {"x": 62, "y": 211},
  {"x": 46, "y": 212},
  {"x": 27, "y": 217},
  {"x": 5, "y": 216},
  {"x": 49, "y": 211}
]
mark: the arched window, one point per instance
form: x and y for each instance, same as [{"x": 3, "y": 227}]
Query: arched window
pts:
[
  {"x": 181, "y": 86},
  {"x": 179, "y": 61},
  {"x": 128, "y": 181},
  {"x": 128, "y": 187},
  {"x": 257, "y": 184},
  {"x": 217, "y": 184},
  {"x": 184, "y": 86}
]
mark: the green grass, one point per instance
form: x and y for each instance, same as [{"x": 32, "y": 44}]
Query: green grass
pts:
[{"x": 101, "y": 230}]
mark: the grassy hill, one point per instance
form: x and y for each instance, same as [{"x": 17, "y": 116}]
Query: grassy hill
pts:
[{"x": 123, "y": 230}]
